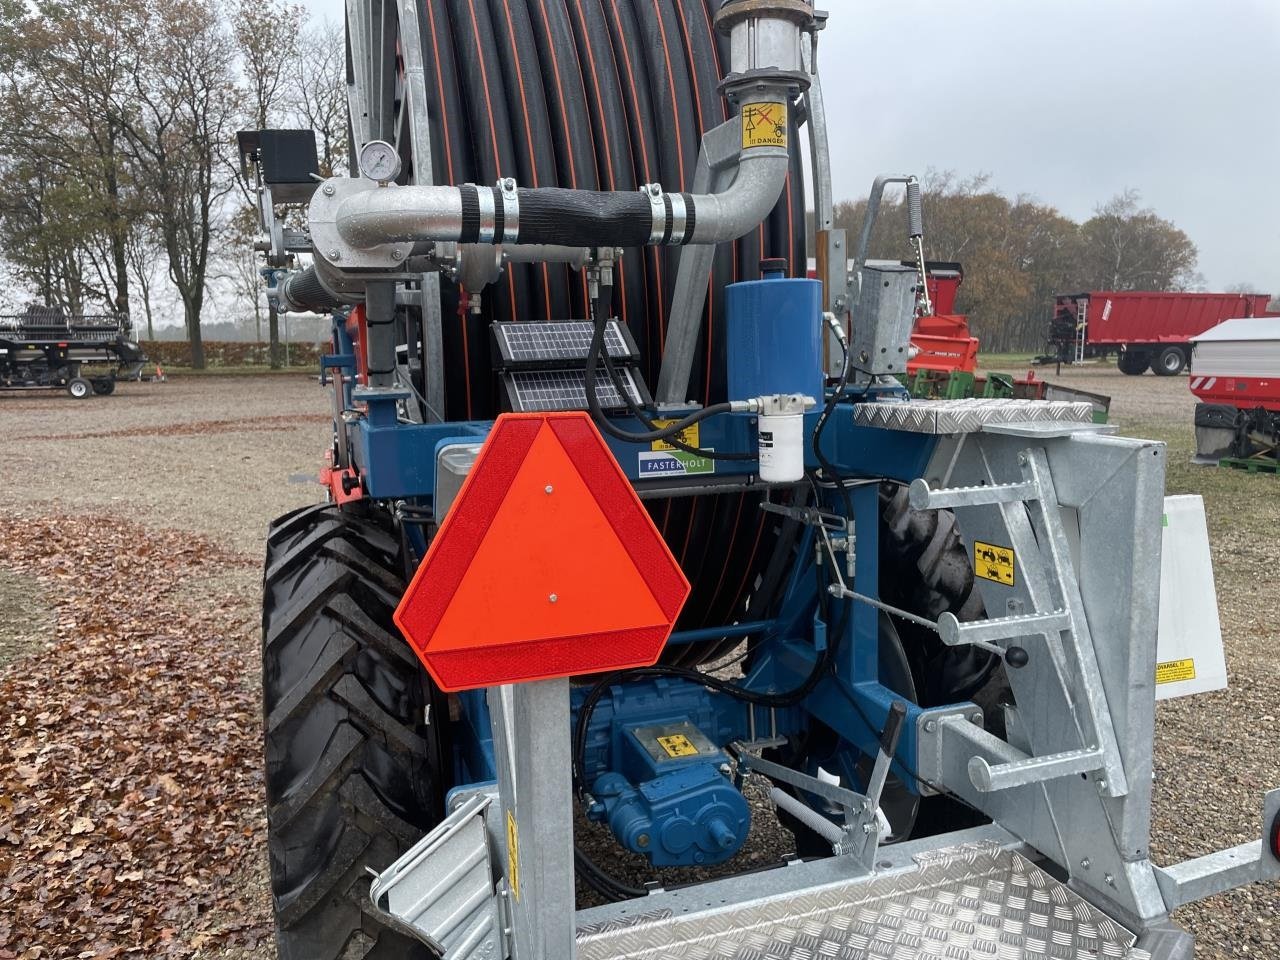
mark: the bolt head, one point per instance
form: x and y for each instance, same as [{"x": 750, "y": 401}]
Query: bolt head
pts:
[
  {"x": 976, "y": 718},
  {"x": 328, "y": 190},
  {"x": 642, "y": 840},
  {"x": 1086, "y": 863},
  {"x": 548, "y": 488},
  {"x": 397, "y": 255},
  {"x": 866, "y": 828},
  {"x": 553, "y": 598},
  {"x": 1110, "y": 880},
  {"x": 931, "y": 726},
  {"x": 335, "y": 254}
]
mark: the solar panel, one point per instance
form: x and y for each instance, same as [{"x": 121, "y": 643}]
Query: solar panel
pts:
[
  {"x": 542, "y": 390},
  {"x": 558, "y": 343}
]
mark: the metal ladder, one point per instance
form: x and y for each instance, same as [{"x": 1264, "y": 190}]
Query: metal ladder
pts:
[
  {"x": 1082, "y": 328},
  {"x": 1058, "y": 618}
]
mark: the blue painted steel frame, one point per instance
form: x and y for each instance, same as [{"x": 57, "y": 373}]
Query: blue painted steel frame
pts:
[{"x": 398, "y": 459}]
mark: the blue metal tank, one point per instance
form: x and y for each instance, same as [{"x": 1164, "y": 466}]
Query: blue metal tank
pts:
[{"x": 774, "y": 335}]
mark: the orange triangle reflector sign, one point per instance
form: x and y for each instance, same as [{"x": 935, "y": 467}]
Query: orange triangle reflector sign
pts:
[{"x": 547, "y": 565}]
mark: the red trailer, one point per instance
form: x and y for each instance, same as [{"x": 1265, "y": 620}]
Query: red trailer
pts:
[{"x": 1148, "y": 330}]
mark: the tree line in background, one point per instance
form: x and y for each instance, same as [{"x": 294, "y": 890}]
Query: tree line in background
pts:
[
  {"x": 118, "y": 154},
  {"x": 118, "y": 149},
  {"x": 1019, "y": 254}
]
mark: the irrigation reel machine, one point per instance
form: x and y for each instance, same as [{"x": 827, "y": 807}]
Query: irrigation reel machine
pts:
[{"x": 588, "y": 402}]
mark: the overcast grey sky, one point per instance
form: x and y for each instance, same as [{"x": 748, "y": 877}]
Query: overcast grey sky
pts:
[{"x": 1072, "y": 101}]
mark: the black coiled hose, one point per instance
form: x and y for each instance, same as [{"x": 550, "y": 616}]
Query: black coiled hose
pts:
[{"x": 604, "y": 95}]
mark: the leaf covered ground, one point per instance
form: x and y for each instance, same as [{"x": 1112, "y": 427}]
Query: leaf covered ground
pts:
[{"x": 130, "y": 788}]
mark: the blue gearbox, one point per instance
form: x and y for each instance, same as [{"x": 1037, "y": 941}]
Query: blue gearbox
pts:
[{"x": 673, "y": 800}]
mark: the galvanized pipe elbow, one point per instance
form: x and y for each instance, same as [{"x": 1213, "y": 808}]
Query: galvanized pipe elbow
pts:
[
  {"x": 741, "y": 208},
  {"x": 394, "y": 214}
]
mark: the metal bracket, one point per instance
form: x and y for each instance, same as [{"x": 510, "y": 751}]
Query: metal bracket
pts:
[
  {"x": 1224, "y": 870},
  {"x": 717, "y": 165},
  {"x": 858, "y": 839}
]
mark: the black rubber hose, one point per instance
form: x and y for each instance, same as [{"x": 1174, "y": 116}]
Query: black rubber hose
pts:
[
  {"x": 530, "y": 120},
  {"x": 584, "y": 219},
  {"x": 451, "y": 163},
  {"x": 493, "y": 143},
  {"x": 634, "y": 115},
  {"x": 583, "y": 36},
  {"x": 570, "y": 133},
  {"x": 640, "y": 76}
]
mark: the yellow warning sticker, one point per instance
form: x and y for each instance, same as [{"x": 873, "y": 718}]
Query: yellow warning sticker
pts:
[
  {"x": 688, "y": 436},
  {"x": 764, "y": 125},
  {"x": 1171, "y": 671},
  {"x": 993, "y": 563},
  {"x": 678, "y": 745},
  {"x": 513, "y": 855}
]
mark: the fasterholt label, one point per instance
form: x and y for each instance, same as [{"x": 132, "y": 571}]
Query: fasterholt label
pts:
[{"x": 673, "y": 463}]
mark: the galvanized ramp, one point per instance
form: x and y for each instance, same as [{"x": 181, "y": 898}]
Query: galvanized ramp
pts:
[{"x": 978, "y": 901}]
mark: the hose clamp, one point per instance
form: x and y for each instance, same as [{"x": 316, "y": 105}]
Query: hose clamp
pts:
[
  {"x": 658, "y": 207},
  {"x": 679, "y": 219},
  {"x": 510, "y": 210},
  {"x": 488, "y": 215}
]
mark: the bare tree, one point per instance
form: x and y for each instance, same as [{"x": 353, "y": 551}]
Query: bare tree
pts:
[
  {"x": 179, "y": 132},
  {"x": 267, "y": 36},
  {"x": 143, "y": 250},
  {"x": 1131, "y": 248},
  {"x": 318, "y": 91}
]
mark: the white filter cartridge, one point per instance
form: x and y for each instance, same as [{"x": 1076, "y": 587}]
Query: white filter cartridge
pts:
[{"x": 782, "y": 447}]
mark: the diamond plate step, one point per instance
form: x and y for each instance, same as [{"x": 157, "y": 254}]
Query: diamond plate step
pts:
[
  {"x": 976, "y": 902},
  {"x": 968, "y": 415}
]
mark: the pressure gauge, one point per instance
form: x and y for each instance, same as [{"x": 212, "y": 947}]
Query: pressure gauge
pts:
[{"x": 379, "y": 161}]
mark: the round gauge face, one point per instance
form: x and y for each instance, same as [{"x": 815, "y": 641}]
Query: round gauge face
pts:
[{"x": 379, "y": 161}]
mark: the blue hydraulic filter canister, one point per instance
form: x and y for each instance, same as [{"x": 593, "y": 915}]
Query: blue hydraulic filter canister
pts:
[{"x": 774, "y": 335}]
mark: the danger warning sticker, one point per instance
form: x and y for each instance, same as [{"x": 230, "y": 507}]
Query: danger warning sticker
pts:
[
  {"x": 678, "y": 745},
  {"x": 764, "y": 125},
  {"x": 993, "y": 563},
  {"x": 1172, "y": 671},
  {"x": 689, "y": 436}
]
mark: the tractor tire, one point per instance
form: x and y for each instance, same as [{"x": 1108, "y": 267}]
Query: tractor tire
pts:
[
  {"x": 104, "y": 386},
  {"x": 1169, "y": 362},
  {"x": 1133, "y": 363},
  {"x": 355, "y": 761},
  {"x": 79, "y": 388}
]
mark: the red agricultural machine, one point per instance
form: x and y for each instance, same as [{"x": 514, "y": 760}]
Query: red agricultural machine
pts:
[
  {"x": 1147, "y": 331},
  {"x": 1237, "y": 381}
]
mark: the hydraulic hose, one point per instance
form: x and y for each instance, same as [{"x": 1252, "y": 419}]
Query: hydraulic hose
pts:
[{"x": 668, "y": 434}]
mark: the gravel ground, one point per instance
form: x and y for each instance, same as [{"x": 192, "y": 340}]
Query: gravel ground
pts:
[
  {"x": 219, "y": 457},
  {"x": 26, "y": 622}
]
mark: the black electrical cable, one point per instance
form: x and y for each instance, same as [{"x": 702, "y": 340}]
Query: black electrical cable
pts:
[
  {"x": 669, "y": 434},
  {"x": 600, "y": 881}
]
